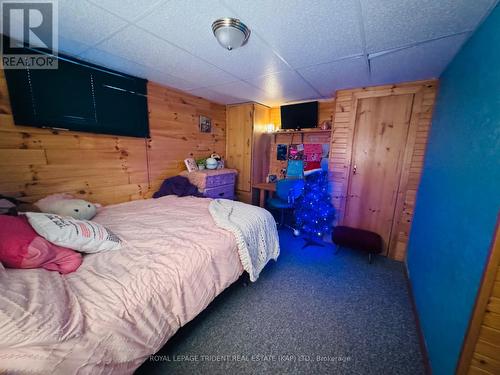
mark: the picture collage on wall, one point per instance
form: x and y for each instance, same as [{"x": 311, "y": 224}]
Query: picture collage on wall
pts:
[{"x": 310, "y": 153}]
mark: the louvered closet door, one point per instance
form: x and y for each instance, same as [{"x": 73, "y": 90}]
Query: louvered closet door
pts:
[{"x": 380, "y": 135}]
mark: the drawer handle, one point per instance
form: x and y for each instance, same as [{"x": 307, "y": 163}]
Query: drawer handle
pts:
[{"x": 221, "y": 194}]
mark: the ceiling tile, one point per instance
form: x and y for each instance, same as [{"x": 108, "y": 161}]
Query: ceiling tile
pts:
[
  {"x": 137, "y": 45},
  {"x": 128, "y": 9},
  {"x": 304, "y": 32},
  {"x": 169, "y": 80},
  {"x": 424, "y": 61},
  {"x": 394, "y": 23},
  {"x": 82, "y": 21},
  {"x": 243, "y": 92},
  {"x": 71, "y": 47},
  {"x": 284, "y": 86},
  {"x": 169, "y": 23},
  {"x": 123, "y": 65},
  {"x": 214, "y": 96},
  {"x": 110, "y": 61},
  {"x": 329, "y": 77},
  {"x": 321, "y": 39}
]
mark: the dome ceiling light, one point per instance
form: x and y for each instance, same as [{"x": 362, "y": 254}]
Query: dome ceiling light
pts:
[{"x": 231, "y": 33}]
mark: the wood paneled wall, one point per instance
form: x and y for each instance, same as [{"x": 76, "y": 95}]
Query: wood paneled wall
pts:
[
  {"x": 341, "y": 150},
  {"x": 175, "y": 135},
  {"x": 101, "y": 168},
  {"x": 481, "y": 349}
]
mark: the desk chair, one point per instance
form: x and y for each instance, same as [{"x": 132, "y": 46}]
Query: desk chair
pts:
[{"x": 287, "y": 191}]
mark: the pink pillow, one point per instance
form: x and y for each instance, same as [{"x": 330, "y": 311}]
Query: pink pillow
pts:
[{"x": 22, "y": 247}]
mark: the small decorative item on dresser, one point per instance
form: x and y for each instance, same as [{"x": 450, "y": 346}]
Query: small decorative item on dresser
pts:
[
  {"x": 191, "y": 164},
  {"x": 220, "y": 162},
  {"x": 211, "y": 163},
  {"x": 205, "y": 124},
  {"x": 201, "y": 163}
]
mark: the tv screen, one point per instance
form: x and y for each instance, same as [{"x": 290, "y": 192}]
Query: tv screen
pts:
[
  {"x": 79, "y": 96},
  {"x": 299, "y": 116}
]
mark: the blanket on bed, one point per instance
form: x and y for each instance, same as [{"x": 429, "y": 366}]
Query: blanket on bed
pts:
[{"x": 254, "y": 229}]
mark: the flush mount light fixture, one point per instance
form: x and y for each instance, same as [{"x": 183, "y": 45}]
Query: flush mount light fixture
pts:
[{"x": 231, "y": 33}]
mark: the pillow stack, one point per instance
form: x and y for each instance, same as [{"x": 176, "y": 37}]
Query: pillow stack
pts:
[
  {"x": 81, "y": 235},
  {"x": 49, "y": 242},
  {"x": 21, "y": 247}
]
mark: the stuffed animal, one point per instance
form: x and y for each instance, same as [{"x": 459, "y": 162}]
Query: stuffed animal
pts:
[
  {"x": 220, "y": 162},
  {"x": 215, "y": 156},
  {"x": 67, "y": 205},
  {"x": 211, "y": 163}
]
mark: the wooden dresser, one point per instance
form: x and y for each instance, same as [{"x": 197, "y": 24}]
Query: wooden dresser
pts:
[{"x": 216, "y": 183}]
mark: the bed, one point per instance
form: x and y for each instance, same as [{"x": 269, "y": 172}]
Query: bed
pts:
[{"x": 120, "y": 306}]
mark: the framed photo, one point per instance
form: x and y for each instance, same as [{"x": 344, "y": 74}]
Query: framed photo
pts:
[
  {"x": 191, "y": 164},
  {"x": 205, "y": 124},
  {"x": 296, "y": 152},
  {"x": 281, "y": 153}
]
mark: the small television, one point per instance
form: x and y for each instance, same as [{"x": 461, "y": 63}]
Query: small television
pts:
[
  {"x": 299, "y": 116},
  {"x": 79, "y": 96}
]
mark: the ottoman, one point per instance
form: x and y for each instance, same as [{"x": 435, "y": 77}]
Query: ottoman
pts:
[{"x": 357, "y": 239}]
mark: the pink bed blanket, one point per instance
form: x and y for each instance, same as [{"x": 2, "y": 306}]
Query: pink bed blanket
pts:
[{"x": 119, "y": 306}]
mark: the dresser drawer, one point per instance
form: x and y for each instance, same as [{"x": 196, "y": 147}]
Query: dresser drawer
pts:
[
  {"x": 225, "y": 192},
  {"x": 219, "y": 180}
]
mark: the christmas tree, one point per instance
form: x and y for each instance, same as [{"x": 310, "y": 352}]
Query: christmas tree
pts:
[{"x": 314, "y": 210}]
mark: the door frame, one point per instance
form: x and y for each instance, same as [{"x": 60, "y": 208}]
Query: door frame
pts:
[
  {"x": 481, "y": 303},
  {"x": 416, "y": 110}
]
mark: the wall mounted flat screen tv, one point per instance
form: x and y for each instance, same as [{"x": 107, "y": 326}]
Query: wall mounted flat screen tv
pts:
[
  {"x": 79, "y": 96},
  {"x": 299, "y": 116}
]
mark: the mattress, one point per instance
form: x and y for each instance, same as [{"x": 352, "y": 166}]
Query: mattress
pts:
[{"x": 118, "y": 307}]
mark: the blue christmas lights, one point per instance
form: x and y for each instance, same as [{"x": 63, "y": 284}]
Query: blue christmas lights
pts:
[{"x": 314, "y": 210}]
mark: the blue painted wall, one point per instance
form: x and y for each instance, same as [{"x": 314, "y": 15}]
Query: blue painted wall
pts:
[{"x": 459, "y": 196}]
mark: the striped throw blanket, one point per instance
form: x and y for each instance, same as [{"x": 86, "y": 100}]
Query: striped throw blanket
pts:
[{"x": 254, "y": 229}]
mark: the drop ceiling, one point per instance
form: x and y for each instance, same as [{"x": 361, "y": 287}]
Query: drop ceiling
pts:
[{"x": 298, "y": 49}]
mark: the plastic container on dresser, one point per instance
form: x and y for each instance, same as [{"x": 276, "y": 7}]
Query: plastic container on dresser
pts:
[{"x": 218, "y": 183}]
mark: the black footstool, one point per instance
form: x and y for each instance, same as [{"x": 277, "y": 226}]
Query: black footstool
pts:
[{"x": 358, "y": 239}]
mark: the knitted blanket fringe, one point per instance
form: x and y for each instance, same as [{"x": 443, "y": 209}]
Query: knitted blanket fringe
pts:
[{"x": 254, "y": 229}]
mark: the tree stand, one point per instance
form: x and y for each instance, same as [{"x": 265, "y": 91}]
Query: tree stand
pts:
[{"x": 309, "y": 241}]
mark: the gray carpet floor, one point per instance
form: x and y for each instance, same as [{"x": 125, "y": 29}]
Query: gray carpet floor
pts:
[{"x": 311, "y": 312}]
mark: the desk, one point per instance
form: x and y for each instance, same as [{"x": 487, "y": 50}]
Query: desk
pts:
[{"x": 263, "y": 187}]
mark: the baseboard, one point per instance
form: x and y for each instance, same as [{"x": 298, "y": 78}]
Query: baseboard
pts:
[{"x": 421, "y": 339}]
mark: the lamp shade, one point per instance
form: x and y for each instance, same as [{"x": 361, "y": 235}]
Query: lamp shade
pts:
[{"x": 231, "y": 33}]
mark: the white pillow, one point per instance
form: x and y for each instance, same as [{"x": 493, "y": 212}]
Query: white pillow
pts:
[{"x": 81, "y": 235}]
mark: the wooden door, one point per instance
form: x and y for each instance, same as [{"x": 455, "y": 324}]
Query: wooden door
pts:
[
  {"x": 380, "y": 133},
  {"x": 239, "y": 127}
]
